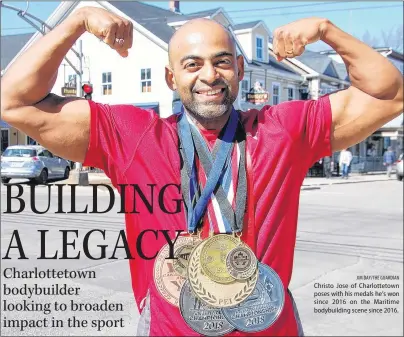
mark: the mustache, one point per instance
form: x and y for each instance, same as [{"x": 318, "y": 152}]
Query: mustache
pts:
[{"x": 217, "y": 82}]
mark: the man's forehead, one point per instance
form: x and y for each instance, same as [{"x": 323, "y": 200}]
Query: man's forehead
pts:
[{"x": 197, "y": 36}]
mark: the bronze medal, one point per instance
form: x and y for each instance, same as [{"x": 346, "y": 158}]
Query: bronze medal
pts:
[{"x": 167, "y": 280}]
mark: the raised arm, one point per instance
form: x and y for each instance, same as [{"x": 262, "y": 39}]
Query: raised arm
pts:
[
  {"x": 376, "y": 94},
  {"x": 60, "y": 124}
]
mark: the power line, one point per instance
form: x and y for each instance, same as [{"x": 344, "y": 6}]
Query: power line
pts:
[
  {"x": 285, "y": 7},
  {"x": 158, "y": 20},
  {"x": 321, "y": 11}
]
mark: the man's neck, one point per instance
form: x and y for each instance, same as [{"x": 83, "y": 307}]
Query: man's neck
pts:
[{"x": 210, "y": 123}]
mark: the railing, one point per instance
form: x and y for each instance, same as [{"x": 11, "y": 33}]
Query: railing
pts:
[
  {"x": 367, "y": 164},
  {"x": 360, "y": 165}
]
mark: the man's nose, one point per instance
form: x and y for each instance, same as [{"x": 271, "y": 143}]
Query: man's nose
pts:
[{"x": 208, "y": 74}]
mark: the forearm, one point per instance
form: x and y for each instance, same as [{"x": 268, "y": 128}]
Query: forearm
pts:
[
  {"x": 368, "y": 70},
  {"x": 31, "y": 77}
]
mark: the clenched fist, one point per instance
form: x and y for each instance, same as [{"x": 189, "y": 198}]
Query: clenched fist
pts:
[
  {"x": 108, "y": 27},
  {"x": 290, "y": 40}
]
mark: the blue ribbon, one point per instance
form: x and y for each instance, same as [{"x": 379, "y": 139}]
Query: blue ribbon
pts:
[{"x": 223, "y": 147}]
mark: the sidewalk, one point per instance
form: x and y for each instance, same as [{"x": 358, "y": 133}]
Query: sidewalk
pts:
[
  {"x": 315, "y": 183},
  {"x": 308, "y": 183}
]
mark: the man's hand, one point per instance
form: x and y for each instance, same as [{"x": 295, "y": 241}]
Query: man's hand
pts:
[
  {"x": 108, "y": 27},
  {"x": 290, "y": 40}
]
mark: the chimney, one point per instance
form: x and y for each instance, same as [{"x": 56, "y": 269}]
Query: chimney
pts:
[{"x": 175, "y": 6}]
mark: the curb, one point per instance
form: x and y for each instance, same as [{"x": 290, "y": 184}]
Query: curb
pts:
[{"x": 348, "y": 182}]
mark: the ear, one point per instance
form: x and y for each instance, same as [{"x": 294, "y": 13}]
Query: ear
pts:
[
  {"x": 170, "y": 80},
  {"x": 240, "y": 66}
]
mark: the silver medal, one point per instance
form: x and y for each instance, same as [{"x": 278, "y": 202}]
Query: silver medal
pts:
[
  {"x": 200, "y": 317},
  {"x": 241, "y": 262},
  {"x": 263, "y": 307}
]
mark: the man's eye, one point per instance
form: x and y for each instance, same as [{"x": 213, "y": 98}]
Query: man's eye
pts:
[
  {"x": 224, "y": 61},
  {"x": 191, "y": 65}
]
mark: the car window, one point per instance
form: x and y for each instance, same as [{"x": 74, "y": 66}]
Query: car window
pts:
[
  {"x": 16, "y": 152},
  {"x": 47, "y": 154}
]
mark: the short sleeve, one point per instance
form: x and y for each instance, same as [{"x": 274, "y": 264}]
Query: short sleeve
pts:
[
  {"x": 309, "y": 125},
  {"x": 115, "y": 132}
]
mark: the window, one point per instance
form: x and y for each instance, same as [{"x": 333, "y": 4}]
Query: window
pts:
[
  {"x": 145, "y": 80},
  {"x": 245, "y": 88},
  {"x": 275, "y": 93},
  {"x": 72, "y": 81},
  {"x": 106, "y": 83},
  {"x": 260, "y": 49},
  {"x": 291, "y": 95},
  {"x": 4, "y": 139},
  {"x": 30, "y": 141}
]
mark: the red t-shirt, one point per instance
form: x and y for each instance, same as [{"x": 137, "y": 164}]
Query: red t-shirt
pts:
[{"x": 134, "y": 146}]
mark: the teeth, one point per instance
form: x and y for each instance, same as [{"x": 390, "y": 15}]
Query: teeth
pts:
[{"x": 212, "y": 92}]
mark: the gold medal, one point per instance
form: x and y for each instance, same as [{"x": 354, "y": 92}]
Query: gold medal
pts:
[
  {"x": 167, "y": 280},
  {"x": 213, "y": 257},
  {"x": 217, "y": 295}
]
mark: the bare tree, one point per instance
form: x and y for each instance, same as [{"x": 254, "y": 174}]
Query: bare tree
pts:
[
  {"x": 394, "y": 38},
  {"x": 370, "y": 40}
]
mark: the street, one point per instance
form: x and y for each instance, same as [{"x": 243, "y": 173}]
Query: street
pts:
[{"x": 345, "y": 232}]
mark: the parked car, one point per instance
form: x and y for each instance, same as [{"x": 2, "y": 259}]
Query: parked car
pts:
[
  {"x": 32, "y": 162},
  {"x": 399, "y": 167}
]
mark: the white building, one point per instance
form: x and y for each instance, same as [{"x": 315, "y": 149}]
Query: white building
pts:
[{"x": 139, "y": 79}]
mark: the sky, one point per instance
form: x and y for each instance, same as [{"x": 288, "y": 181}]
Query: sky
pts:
[{"x": 353, "y": 17}]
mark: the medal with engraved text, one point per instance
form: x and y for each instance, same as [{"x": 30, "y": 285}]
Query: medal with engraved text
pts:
[
  {"x": 263, "y": 307},
  {"x": 213, "y": 257},
  {"x": 167, "y": 280},
  {"x": 241, "y": 262},
  {"x": 181, "y": 254},
  {"x": 215, "y": 294},
  {"x": 200, "y": 317}
]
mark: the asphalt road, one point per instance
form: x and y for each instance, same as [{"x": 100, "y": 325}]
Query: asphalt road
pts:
[{"x": 346, "y": 232}]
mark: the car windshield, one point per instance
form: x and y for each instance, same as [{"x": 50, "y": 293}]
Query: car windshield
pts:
[{"x": 19, "y": 153}]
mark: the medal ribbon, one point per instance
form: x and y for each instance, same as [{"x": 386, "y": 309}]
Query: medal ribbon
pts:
[
  {"x": 222, "y": 150},
  {"x": 221, "y": 200}
]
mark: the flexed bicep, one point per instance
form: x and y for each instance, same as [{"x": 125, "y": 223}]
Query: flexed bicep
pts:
[{"x": 60, "y": 124}]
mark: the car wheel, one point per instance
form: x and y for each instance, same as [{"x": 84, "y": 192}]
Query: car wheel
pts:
[
  {"x": 43, "y": 177},
  {"x": 67, "y": 173},
  {"x": 5, "y": 180},
  {"x": 399, "y": 178}
]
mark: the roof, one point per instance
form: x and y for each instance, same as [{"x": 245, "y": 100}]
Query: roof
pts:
[
  {"x": 246, "y": 25},
  {"x": 152, "y": 18},
  {"x": 320, "y": 63},
  {"x": 4, "y": 125},
  {"x": 272, "y": 64},
  {"x": 341, "y": 71},
  {"x": 11, "y": 45},
  {"x": 186, "y": 17}
]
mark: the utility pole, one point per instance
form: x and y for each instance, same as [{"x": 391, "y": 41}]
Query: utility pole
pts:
[{"x": 80, "y": 83}]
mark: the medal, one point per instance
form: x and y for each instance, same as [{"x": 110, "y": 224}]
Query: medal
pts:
[
  {"x": 200, "y": 317},
  {"x": 262, "y": 308},
  {"x": 167, "y": 280},
  {"x": 215, "y": 294},
  {"x": 181, "y": 254},
  {"x": 241, "y": 262},
  {"x": 213, "y": 257}
]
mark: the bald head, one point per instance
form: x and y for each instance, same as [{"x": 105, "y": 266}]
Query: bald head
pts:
[{"x": 193, "y": 31}]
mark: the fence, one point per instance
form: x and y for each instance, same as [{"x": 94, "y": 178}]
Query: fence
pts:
[
  {"x": 367, "y": 164},
  {"x": 360, "y": 165}
]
